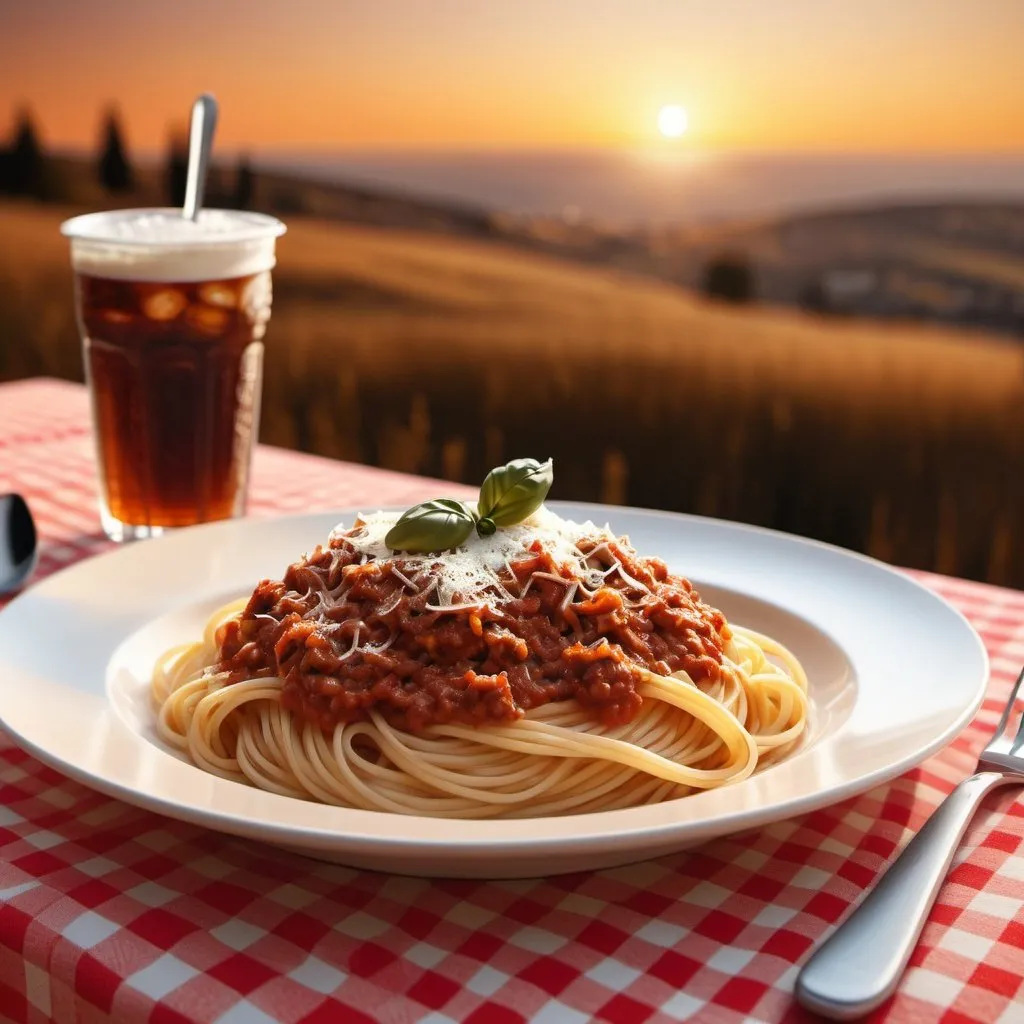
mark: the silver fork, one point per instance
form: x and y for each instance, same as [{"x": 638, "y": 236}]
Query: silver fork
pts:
[{"x": 860, "y": 965}]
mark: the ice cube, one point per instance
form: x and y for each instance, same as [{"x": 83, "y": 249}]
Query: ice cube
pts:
[
  {"x": 218, "y": 293},
  {"x": 206, "y": 319},
  {"x": 165, "y": 304}
]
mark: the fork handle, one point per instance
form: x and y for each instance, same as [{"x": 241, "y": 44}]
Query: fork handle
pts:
[{"x": 860, "y": 965}]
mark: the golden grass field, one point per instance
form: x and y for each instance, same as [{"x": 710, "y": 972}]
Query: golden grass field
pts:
[{"x": 439, "y": 354}]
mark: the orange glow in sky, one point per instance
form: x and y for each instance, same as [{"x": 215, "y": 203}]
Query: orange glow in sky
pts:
[{"x": 806, "y": 75}]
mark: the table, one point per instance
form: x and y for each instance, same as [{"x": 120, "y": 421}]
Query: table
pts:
[{"x": 109, "y": 913}]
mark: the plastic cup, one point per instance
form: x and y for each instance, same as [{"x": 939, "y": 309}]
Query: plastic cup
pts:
[{"x": 172, "y": 316}]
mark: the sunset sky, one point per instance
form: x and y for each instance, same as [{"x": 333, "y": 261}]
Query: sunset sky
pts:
[{"x": 870, "y": 75}]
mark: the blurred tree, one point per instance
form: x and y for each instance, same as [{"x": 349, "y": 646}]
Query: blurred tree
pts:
[
  {"x": 242, "y": 199},
  {"x": 177, "y": 167},
  {"x": 730, "y": 278},
  {"x": 114, "y": 170},
  {"x": 21, "y": 173},
  {"x": 216, "y": 195}
]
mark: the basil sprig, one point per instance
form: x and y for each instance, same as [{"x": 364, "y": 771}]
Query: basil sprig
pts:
[
  {"x": 509, "y": 494},
  {"x": 513, "y": 492},
  {"x": 437, "y": 525}
]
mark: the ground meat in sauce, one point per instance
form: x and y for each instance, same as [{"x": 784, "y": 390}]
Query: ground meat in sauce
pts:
[{"x": 419, "y": 667}]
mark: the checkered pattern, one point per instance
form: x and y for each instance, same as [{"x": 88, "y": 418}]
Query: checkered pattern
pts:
[{"x": 108, "y": 913}]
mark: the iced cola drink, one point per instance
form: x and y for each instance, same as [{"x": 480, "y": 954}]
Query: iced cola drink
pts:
[{"x": 172, "y": 315}]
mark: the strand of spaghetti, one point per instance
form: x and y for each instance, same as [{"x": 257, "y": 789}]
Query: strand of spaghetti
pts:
[
  {"x": 588, "y": 785},
  {"x": 579, "y": 778},
  {"x": 316, "y": 771},
  {"x": 448, "y": 754},
  {"x": 305, "y": 768},
  {"x": 536, "y": 737},
  {"x": 534, "y": 776},
  {"x": 169, "y": 666},
  {"x": 205, "y": 741},
  {"x": 266, "y": 739},
  {"x": 378, "y": 799},
  {"x": 462, "y": 783},
  {"x": 262, "y": 773},
  {"x": 397, "y": 786},
  {"x": 781, "y": 707},
  {"x": 176, "y": 712},
  {"x": 767, "y": 645},
  {"x": 735, "y": 737}
]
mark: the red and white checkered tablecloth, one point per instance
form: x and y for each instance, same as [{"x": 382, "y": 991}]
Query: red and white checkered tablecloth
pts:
[{"x": 108, "y": 913}]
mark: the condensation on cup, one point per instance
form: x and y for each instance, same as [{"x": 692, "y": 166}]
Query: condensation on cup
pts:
[{"x": 172, "y": 315}]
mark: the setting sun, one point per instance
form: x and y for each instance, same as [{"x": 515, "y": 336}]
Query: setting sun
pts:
[{"x": 672, "y": 121}]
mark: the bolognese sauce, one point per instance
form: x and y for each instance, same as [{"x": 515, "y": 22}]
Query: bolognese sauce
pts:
[{"x": 347, "y": 634}]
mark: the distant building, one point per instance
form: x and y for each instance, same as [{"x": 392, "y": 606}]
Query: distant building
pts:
[
  {"x": 847, "y": 291},
  {"x": 848, "y": 287}
]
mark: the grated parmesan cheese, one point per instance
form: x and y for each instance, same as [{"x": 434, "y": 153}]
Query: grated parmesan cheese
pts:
[{"x": 469, "y": 574}]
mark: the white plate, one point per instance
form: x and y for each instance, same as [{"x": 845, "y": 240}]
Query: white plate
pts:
[{"x": 895, "y": 673}]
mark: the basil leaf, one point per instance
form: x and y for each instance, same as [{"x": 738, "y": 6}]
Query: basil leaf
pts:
[
  {"x": 513, "y": 492},
  {"x": 438, "y": 525}
]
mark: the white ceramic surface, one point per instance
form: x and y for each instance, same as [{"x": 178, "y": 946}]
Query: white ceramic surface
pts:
[{"x": 895, "y": 673}]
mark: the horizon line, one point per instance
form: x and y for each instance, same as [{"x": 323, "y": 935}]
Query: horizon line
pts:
[{"x": 656, "y": 149}]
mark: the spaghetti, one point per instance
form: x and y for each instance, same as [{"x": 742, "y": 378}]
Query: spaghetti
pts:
[{"x": 546, "y": 670}]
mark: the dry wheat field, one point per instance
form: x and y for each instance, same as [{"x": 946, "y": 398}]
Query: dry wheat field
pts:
[{"x": 438, "y": 354}]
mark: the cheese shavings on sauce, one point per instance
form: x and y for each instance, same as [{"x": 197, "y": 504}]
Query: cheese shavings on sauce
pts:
[
  {"x": 543, "y": 611},
  {"x": 471, "y": 575}
]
